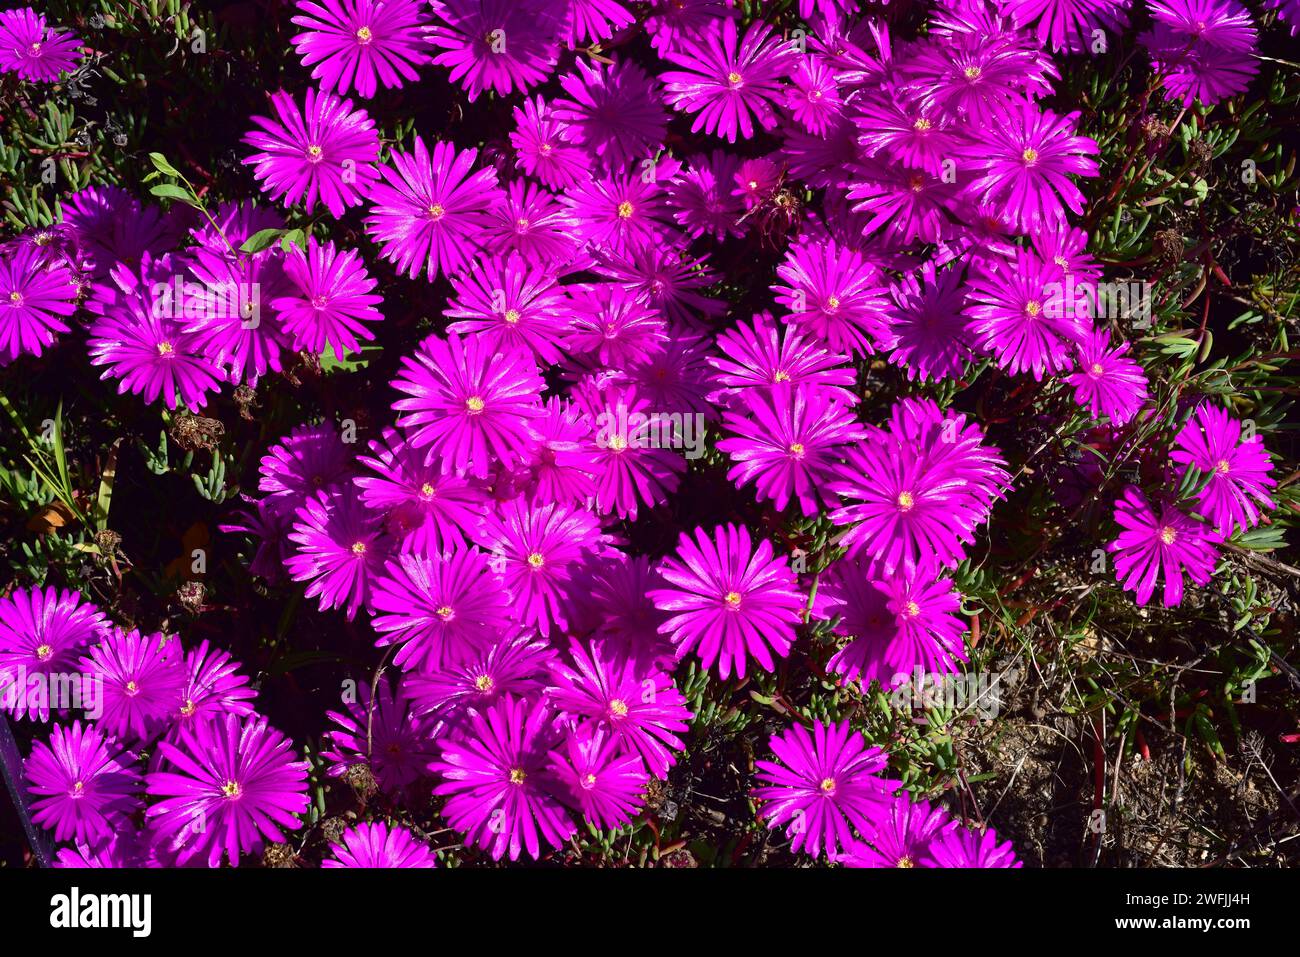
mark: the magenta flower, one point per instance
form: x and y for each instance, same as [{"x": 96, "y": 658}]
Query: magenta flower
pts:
[
  {"x": 1162, "y": 545},
  {"x": 957, "y": 846},
  {"x": 897, "y": 621},
  {"x": 313, "y": 458},
  {"x": 378, "y": 845},
  {"x": 927, "y": 326},
  {"x": 515, "y": 665},
  {"x": 228, "y": 322},
  {"x": 544, "y": 146},
  {"x": 35, "y": 299},
  {"x": 892, "y": 126},
  {"x": 635, "y": 462},
  {"x": 380, "y": 732},
  {"x": 33, "y": 50},
  {"x": 358, "y": 44},
  {"x": 143, "y": 678},
  {"x": 702, "y": 197},
  {"x": 531, "y": 222},
  {"x": 269, "y": 521},
  {"x": 536, "y": 551},
  {"x": 1017, "y": 312},
  {"x": 426, "y": 510},
  {"x": 613, "y": 604},
  {"x": 1024, "y": 160},
  {"x": 1237, "y": 470},
  {"x": 232, "y": 783},
  {"x": 442, "y": 610},
  {"x": 429, "y": 208},
  {"x": 729, "y": 81},
  {"x": 339, "y": 549},
  {"x": 1108, "y": 382},
  {"x": 1203, "y": 49},
  {"x": 814, "y": 97},
  {"x": 921, "y": 487},
  {"x": 332, "y": 300},
  {"x": 632, "y": 700},
  {"x": 324, "y": 152},
  {"x": 42, "y": 632},
  {"x": 152, "y": 355},
  {"x": 787, "y": 443},
  {"x": 974, "y": 66},
  {"x": 499, "y": 792},
  {"x": 835, "y": 294},
  {"x": 213, "y": 687},
  {"x": 466, "y": 404},
  {"x": 604, "y": 783},
  {"x": 825, "y": 784},
  {"x": 499, "y": 45},
  {"x": 510, "y": 305},
  {"x": 614, "y": 325},
  {"x": 1069, "y": 25},
  {"x": 590, "y": 21},
  {"x": 113, "y": 228},
  {"x": 760, "y": 354},
  {"x": 563, "y": 462},
  {"x": 899, "y": 836},
  {"x": 729, "y": 600},
  {"x": 673, "y": 22},
  {"x": 623, "y": 211},
  {"x": 85, "y": 784},
  {"x": 614, "y": 112}
]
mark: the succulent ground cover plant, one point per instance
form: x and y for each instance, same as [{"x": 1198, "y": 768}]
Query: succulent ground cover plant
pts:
[{"x": 629, "y": 434}]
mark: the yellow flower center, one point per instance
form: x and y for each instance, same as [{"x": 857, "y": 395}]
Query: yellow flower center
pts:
[
  {"x": 132, "y": 688},
  {"x": 1221, "y": 467},
  {"x": 484, "y": 683},
  {"x": 436, "y": 211},
  {"x": 617, "y": 443},
  {"x": 187, "y": 708},
  {"x": 781, "y": 376},
  {"x": 624, "y": 210},
  {"x": 43, "y": 652},
  {"x": 231, "y": 789},
  {"x": 827, "y": 785},
  {"x": 1030, "y": 156},
  {"x": 444, "y": 612},
  {"x": 364, "y": 35},
  {"x": 905, "y": 862},
  {"x": 905, "y": 501},
  {"x": 972, "y": 72},
  {"x": 536, "y": 559},
  {"x": 474, "y": 403},
  {"x": 358, "y": 548},
  {"x": 165, "y": 348},
  {"x": 911, "y": 609},
  {"x": 521, "y": 225},
  {"x": 1096, "y": 369},
  {"x": 16, "y": 298},
  {"x": 618, "y": 707},
  {"x": 833, "y": 302},
  {"x": 797, "y": 449},
  {"x": 589, "y": 781},
  {"x": 517, "y": 775},
  {"x": 314, "y": 153},
  {"x": 1033, "y": 307},
  {"x": 512, "y": 316},
  {"x": 427, "y": 490},
  {"x": 732, "y": 600},
  {"x": 1168, "y": 535},
  {"x": 921, "y": 125},
  {"x": 78, "y": 787},
  {"x": 734, "y": 78}
]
